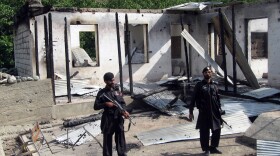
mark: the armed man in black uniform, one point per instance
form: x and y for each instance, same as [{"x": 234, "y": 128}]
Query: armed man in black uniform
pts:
[
  {"x": 207, "y": 100},
  {"x": 112, "y": 118}
]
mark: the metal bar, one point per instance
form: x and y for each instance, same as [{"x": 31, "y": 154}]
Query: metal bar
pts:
[
  {"x": 36, "y": 49},
  {"x": 223, "y": 48},
  {"x": 233, "y": 51},
  {"x": 186, "y": 52},
  {"x": 246, "y": 38},
  {"x": 93, "y": 137},
  {"x": 127, "y": 49},
  {"x": 47, "y": 47},
  {"x": 190, "y": 51},
  {"x": 119, "y": 51},
  {"x": 146, "y": 43},
  {"x": 67, "y": 61},
  {"x": 81, "y": 135},
  {"x": 46, "y": 141},
  {"x": 51, "y": 55}
]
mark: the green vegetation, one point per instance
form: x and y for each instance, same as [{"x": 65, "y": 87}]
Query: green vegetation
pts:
[
  {"x": 87, "y": 42},
  {"x": 9, "y": 7}
]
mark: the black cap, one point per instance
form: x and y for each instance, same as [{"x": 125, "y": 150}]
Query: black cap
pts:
[
  {"x": 206, "y": 69},
  {"x": 108, "y": 76}
]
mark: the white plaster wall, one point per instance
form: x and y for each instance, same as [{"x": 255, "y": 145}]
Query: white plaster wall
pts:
[
  {"x": 259, "y": 66},
  {"x": 199, "y": 31},
  {"x": 259, "y": 25},
  {"x": 274, "y": 48},
  {"x": 263, "y": 10},
  {"x": 159, "y": 65},
  {"x": 199, "y": 28},
  {"x": 271, "y": 11},
  {"x": 75, "y": 33}
]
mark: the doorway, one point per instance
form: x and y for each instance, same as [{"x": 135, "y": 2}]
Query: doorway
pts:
[{"x": 257, "y": 46}]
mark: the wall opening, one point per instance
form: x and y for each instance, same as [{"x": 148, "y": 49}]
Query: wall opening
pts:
[
  {"x": 257, "y": 46},
  {"x": 84, "y": 47},
  {"x": 138, "y": 44},
  {"x": 178, "y": 50},
  {"x": 87, "y": 40},
  {"x": 176, "y": 47},
  {"x": 214, "y": 44}
]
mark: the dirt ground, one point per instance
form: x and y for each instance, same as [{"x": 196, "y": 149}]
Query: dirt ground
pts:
[
  {"x": 148, "y": 119},
  {"x": 228, "y": 145}
]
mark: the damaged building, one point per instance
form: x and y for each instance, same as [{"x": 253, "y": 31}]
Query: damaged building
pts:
[
  {"x": 44, "y": 37},
  {"x": 70, "y": 49}
]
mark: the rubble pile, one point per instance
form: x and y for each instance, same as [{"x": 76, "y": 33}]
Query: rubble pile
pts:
[{"x": 9, "y": 77}]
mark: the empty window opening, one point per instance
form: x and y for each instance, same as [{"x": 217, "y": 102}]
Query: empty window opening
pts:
[
  {"x": 138, "y": 44},
  {"x": 84, "y": 45},
  {"x": 257, "y": 46},
  {"x": 176, "y": 47},
  {"x": 178, "y": 56},
  {"x": 214, "y": 46},
  {"x": 258, "y": 32},
  {"x": 87, "y": 40}
]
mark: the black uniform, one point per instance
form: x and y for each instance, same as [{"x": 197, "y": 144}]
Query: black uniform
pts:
[
  {"x": 207, "y": 100},
  {"x": 111, "y": 122}
]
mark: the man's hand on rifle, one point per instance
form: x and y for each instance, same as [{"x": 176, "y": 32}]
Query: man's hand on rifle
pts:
[
  {"x": 191, "y": 117},
  {"x": 125, "y": 114},
  {"x": 109, "y": 104}
]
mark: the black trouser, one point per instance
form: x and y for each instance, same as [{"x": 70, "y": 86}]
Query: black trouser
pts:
[
  {"x": 204, "y": 138},
  {"x": 119, "y": 140}
]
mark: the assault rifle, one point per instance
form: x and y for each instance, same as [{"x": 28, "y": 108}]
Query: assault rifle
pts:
[
  {"x": 224, "y": 122},
  {"x": 119, "y": 106},
  {"x": 223, "y": 112}
]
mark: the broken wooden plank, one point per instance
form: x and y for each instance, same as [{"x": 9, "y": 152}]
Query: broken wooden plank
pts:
[
  {"x": 30, "y": 147},
  {"x": 202, "y": 53},
  {"x": 240, "y": 58}
]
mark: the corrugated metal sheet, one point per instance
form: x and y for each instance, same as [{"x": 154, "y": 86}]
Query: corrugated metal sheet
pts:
[
  {"x": 192, "y": 6},
  {"x": 268, "y": 148},
  {"x": 161, "y": 101},
  {"x": 77, "y": 87},
  {"x": 249, "y": 107},
  {"x": 239, "y": 122},
  {"x": 262, "y": 92},
  {"x": 74, "y": 135}
]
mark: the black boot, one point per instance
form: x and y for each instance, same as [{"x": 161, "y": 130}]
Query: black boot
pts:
[
  {"x": 206, "y": 153},
  {"x": 214, "y": 150}
]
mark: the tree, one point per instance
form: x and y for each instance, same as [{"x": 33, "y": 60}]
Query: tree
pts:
[{"x": 8, "y": 9}]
